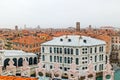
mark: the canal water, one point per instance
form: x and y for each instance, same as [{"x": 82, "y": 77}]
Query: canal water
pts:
[{"x": 116, "y": 76}]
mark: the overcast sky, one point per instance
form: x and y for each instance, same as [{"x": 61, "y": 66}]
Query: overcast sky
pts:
[{"x": 59, "y": 13}]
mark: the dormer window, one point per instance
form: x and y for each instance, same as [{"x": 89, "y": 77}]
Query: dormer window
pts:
[
  {"x": 69, "y": 40},
  {"x": 85, "y": 41},
  {"x": 61, "y": 40}
]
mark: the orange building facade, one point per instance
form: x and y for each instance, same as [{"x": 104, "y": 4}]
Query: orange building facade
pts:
[{"x": 27, "y": 44}]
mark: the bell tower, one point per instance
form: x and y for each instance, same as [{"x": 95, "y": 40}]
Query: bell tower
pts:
[{"x": 78, "y": 26}]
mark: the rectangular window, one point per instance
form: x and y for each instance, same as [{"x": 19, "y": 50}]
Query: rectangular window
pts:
[
  {"x": 60, "y": 59},
  {"x": 71, "y": 51},
  {"x": 68, "y": 51},
  {"x": 77, "y": 52},
  {"x": 77, "y": 61},
  {"x": 50, "y": 58},
  {"x": 65, "y": 69},
  {"x": 50, "y": 49},
  {"x": 90, "y": 50},
  {"x": 99, "y": 57},
  {"x": 57, "y": 50},
  {"x": 54, "y": 58},
  {"x": 95, "y": 58},
  {"x": 65, "y": 60},
  {"x": 54, "y": 50},
  {"x": 95, "y": 49},
  {"x": 57, "y": 58},
  {"x": 43, "y": 58},
  {"x": 95, "y": 68},
  {"x": 102, "y": 49},
  {"x": 43, "y": 50},
  {"x": 65, "y": 51},
  {"x": 102, "y": 66},
  {"x": 102, "y": 57},
  {"x": 60, "y": 50},
  {"x": 50, "y": 66}
]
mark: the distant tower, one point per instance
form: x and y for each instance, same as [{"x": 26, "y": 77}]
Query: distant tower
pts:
[
  {"x": 25, "y": 26},
  {"x": 78, "y": 26},
  {"x": 90, "y": 27},
  {"x": 38, "y": 27},
  {"x": 16, "y": 28}
]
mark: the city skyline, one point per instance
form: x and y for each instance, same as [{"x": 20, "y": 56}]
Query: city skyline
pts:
[{"x": 59, "y": 13}]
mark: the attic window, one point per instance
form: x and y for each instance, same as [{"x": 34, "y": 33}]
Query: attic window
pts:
[
  {"x": 69, "y": 40},
  {"x": 84, "y": 41},
  {"x": 61, "y": 40}
]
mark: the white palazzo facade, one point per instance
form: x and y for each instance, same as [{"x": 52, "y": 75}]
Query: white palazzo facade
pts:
[{"x": 81, "y": 49}]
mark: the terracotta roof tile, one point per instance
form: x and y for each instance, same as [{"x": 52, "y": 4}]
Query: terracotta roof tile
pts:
[{"x": 28, "y": 40}]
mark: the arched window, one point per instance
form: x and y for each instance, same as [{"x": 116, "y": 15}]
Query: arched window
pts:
[
  {"x": 71, "y": 59},
  {"x": 77, "y": 52},
  {"x": 65, "y": 60},
  {"x": 100, "y": 49},
  {"x": 6, "y": 62},
  {"x": 44, "y": 66},
  {"x": 51, "y": 67},
  {"x": 65, "y": 51},
  {"x": 95, "y": 58},
  {"x": 68, "y": 51},
  {"x": 60, "y": 50},
  {"x": 100, "y": 67},
  {"x": 68, "y": 60},
  {"x": 65, "y": 69},
  {"x": 57, "y": 50},
  {"x": 35, "y": 60},
  {"x": 50, "y": 49},
  {"x": 54, "y": 50},
  {"x": 71, "y": 51},
  {"x": 15, "y": 61},
  {"x": 43, "y": 50},
  {"x": 60, "y": 59},
  {"x": 54, "y": 58},
  {"x": 57, "y": 58},
  {"x": 95, "y": 67},
  {"x": 30, "y": 61},
  {"x": 99, "y": 57},
  {"x": 43, "y": 58},
  {"x": 50, "y": 58},
  {"x": 90, "y": 50},
  {"x": 102, "y": 57},
  {"x": 77, "y": 61},
  {"x": 95, "y": 49},
  {"x": 20, "y": 61}
]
